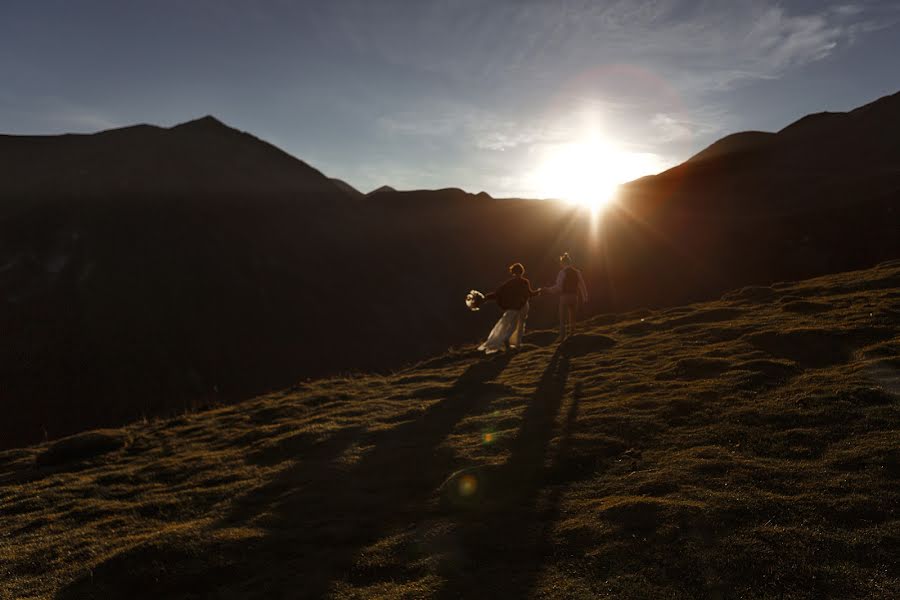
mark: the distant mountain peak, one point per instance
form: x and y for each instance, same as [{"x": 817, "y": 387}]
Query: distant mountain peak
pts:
[
  {"x": 384, "y": 188},
  {"x": 206, "y": 123}
]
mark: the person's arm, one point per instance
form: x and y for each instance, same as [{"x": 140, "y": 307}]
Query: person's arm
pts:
[
  {"x": 558, "y": 286},
  {"x": 582, "y": 289}
]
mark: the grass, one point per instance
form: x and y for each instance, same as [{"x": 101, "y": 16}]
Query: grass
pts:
[
  {"x": 743, "y": 448},
  {"x": 81, "y": 446}
]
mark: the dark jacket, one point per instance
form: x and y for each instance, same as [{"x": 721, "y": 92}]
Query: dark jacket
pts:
[{"x": 513, "y": 294}]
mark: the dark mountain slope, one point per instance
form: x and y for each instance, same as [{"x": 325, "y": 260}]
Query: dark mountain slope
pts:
[
  {"x": 820, "y": 195},
  {"x": 145, "y": 270},
  {"x": 736, "y": 143},
  {"x": 859, "y": 150},
  {"x": 196, "y": 158},
  {"x": 141, "y": 274},
  {"x": 348, "y": 189},
  {"x": 741, "y": 448},
  {"x": 147, "y": 263}
]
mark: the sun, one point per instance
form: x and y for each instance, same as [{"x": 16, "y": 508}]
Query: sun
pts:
[{"x": 589, "y": 172}]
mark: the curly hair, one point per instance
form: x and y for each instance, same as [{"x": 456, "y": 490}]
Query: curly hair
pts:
[{"x": 516, "y": 269}]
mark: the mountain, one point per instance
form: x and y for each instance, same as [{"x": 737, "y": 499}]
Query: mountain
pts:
[
  {"x": 348, "y": 189},
  {"x": 382, "y": 189},
  {"x": 151, "y": 264},
  {"x": 736, "y": 143},
  {"x": 197, "y": 158},
  {"x": 740, "y": 448},
  {"x": 145, "y": 271},
  {"x": 808, "y": 155},
  {"x": 820, "y": 195}
]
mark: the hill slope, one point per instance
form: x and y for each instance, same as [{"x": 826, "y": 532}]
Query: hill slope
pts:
[
  {"x": 145, "y": 270},
  {"x": 736, "y": 143},
  {"x": 740, "y": 448}
]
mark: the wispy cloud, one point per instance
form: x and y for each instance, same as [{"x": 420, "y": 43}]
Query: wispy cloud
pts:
[
  {"x": 721, "y": 46},
  {"x": 470, "y": 125},
  {"x": 81, "y": 121},
  {"x": 716, "y": 43},
  {"x": 444, "y": 92},
  {"x": 561, "y": 53},
  {"x": 649, "y": 71},
  {"x": 848, "y": 10},
  {"x": 673, "y": 128},
  {"x": 52, "y": 114},
  {"x": 781, "y": 41}
]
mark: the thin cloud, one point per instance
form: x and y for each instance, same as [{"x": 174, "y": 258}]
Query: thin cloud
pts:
[
  {"x": 467, "y": 125},
  {"x": 692, "y": 41},
  {"x": 55, "y": 114},
  {"x": 848, "y": 10},
  {"x": 672, "y": 129},
  {"x": 83, "y": 121}
]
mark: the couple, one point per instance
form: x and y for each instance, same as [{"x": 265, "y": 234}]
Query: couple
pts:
[{"x": 513, "y": 296}]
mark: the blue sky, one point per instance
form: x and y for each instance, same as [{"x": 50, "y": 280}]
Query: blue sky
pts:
[{"x": 439, "y": 93}]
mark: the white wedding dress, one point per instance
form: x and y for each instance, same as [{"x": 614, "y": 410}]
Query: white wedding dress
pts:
[{"x": 510, "y": 328}]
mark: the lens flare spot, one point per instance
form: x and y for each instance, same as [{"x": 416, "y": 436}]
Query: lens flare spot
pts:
[
  {"x": 468, "y": 485},
  {"x": 487, "y": 437}
]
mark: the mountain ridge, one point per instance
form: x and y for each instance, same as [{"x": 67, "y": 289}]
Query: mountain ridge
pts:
[
  {"x": 732, "y": 143},
  {"x": 814, "y": 124},
  {"x": 743, "y": 141}
]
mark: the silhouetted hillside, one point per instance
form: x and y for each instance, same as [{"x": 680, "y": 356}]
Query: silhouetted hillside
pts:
[
  {"x": 741, "y": 448},
  {"x": 145, "y": 270},
  {"x": 200, "y": 157},
  {"x": 384, "y": 188},
  {"x": 348, "y": 189},
  {"x": 736, "y": 143}
]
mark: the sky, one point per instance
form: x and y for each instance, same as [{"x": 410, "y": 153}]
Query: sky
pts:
[{"x": 513, "y": 97}]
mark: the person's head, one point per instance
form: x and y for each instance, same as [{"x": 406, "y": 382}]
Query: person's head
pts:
[
  {"x": 565, "y": 260},
  {"x": 516, "y": 269}
]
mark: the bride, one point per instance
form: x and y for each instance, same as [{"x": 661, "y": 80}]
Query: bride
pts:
[{"x": 512, "y": 297}]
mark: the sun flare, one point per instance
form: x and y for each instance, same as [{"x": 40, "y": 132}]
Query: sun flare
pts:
[{"x": 589, "y": 172}]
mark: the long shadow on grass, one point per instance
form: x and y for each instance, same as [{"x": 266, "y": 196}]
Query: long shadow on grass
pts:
[
  {"x": 329, "y": 519},
  {"x": 505, "y": 542},
  {"x": 316, "y": 515}
]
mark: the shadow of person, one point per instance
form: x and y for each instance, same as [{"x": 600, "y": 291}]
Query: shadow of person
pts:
[
  {"x": 504, "y": 540},
  {"x": 313, "y": 517}
]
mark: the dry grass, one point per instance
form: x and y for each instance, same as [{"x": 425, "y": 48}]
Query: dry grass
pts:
[{"x": 745, "y": 448}]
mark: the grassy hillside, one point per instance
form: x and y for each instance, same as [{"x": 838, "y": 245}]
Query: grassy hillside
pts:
[{"x": 744, "y": 448}]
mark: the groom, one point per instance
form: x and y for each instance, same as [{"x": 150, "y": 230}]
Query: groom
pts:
[{"x": 572, "y": 292}]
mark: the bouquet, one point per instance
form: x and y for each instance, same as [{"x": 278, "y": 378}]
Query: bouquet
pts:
[{"x": 474, "y": 300}]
